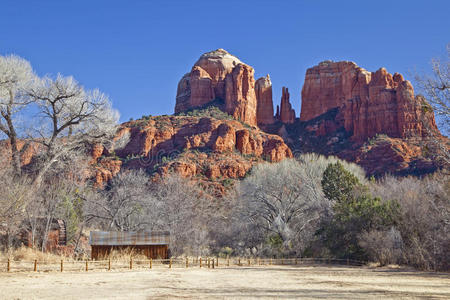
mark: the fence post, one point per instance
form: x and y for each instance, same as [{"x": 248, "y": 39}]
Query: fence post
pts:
[
  {"x": 35, "y": 265},
  {"x": 150, "y": 262},
  {"x": 200, "y": 262},
  {"x": 87, "y": 268},
  {"x": 239, "y": 261},
  {"x": 296, "y": 260},
  {"x": 249, "y": 261},
  {"x": 8, "y": 266},
  {"x": 131, "y": 263},
  {"x": 209, "y": 263},
  {"x": 187, "y": 263},
  {"x": 170, "y": 263},
  {"x": 228, "y": 261},
  {"x": 62, "y": 266},
  {"x": 109, "y": 264},
  {"x": 217, "y": 262},
  {"x": 213, "y": 263}
]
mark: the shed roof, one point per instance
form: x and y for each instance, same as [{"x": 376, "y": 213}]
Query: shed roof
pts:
[{"x": 129, "y": 238}]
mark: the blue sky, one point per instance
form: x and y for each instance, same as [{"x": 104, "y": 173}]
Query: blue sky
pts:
[{"x": 136, "y": 51}]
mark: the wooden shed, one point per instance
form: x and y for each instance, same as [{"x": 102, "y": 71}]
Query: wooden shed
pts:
[{"x": 153, "y": 244}]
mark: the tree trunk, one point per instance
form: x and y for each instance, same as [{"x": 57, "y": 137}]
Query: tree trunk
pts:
[{"x": 15, "y": 155}]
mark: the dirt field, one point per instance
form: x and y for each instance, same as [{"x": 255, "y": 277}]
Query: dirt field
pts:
[{"x": 228, "y": 283}]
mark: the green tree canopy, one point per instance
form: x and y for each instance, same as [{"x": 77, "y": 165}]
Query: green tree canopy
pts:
[{"x": 338, "y": 183}]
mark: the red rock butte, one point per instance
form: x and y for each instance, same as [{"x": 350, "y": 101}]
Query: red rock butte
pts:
[
  {"x": 369, "y": 103},
  {"x": 219, "y": 75}
]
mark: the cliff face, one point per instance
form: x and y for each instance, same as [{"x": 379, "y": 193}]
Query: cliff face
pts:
[
  {"x": 368, "y": 103},
  {"x": 219, "y": 75},
  {"x": 329, "y": 85},
  {"x": 240, "y": 97}
]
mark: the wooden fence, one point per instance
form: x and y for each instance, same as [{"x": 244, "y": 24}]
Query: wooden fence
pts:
[{"x": 197, "y": 262}]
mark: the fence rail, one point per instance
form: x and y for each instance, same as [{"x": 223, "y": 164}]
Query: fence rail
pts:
[{"x": 186, "y": 262}]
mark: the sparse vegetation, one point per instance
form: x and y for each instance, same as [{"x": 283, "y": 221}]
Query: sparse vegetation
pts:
[{"x": 212, "y": 109}]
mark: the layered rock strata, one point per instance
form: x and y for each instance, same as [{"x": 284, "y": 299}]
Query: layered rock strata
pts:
[{"x": 369, "y": 103}]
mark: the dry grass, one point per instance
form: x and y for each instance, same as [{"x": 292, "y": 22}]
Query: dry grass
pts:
[
  {"x": 270, "y": 282},
  {"x": 30, "y": 254},
  {"x": 124, "y": 255}
]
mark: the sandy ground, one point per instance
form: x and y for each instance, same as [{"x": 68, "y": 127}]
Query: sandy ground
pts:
[{"x": 277, "y": 282}]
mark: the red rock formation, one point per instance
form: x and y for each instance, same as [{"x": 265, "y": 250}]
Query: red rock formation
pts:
[
  {"x": 368, "y": 103},
  {"x": 240, "y": 97},
  {"x": 264, "y": 109},
  {"x": 329, "y": 85},
  {"x": 183, "y": 100},
  {"x": 27, "y": 151},
  {"x": 218, "y": 74},
  {"x": 179, "y": 139},
  {"x": 202, "y": 90},
  {"x": 390, "y": 155},
  {"x": 226, "y": 138},
  {"x": 287, "y": 114},
  {"x": 247, "y": 144}
]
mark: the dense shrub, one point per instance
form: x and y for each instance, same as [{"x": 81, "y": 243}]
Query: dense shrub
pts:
[{"x": 354, "y": 211}]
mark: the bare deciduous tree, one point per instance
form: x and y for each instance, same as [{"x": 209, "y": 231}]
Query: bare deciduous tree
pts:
[
  {"x": 282, "y": 200},
  {"x": 181, "y": 209},
  {"x": 125, "y": 204},
  {"x": 437, "y": 87},
  {"x": 16, "y": 75},
  {"x": 14, "y": 193},
  {"x": 44, "y": 208},
  {"x": 69, "y": 118},
  {"x": 132, "y": 203},
  {"x": 382, "y": 246},
  {"x": 425, "y": 218}
]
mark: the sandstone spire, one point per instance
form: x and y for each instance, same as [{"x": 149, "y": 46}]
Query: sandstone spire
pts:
[
  {"x": 287, "y": 114},
  {"x": 264, "y": 108}
]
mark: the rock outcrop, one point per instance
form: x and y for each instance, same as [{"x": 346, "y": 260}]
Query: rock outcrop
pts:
[
  {"x": 219, "y": 75},
  {"x": 287, "y": 113},
  {"x": 264, "y": 109},
  {"x": 204, "y": 147},
  {"x": 368, "y": 103}
]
